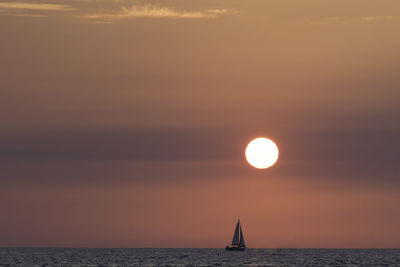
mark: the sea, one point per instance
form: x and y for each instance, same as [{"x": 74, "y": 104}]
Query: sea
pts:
[{"x": 196, "y": 257}]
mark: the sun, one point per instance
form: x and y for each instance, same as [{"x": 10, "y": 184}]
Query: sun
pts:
[{"x": 262, "y": 153}]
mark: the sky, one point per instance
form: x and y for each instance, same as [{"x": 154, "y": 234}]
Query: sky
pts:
[{"x": 123, "y": 123}]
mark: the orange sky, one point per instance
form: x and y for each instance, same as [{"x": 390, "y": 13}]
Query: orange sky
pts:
[{"x": 124, "y": 123}]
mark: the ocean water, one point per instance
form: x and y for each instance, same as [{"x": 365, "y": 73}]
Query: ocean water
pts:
[{"x": 197, "y": 257}]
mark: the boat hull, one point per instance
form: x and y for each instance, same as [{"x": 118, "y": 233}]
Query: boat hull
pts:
[{"x": 235, "y": 248}]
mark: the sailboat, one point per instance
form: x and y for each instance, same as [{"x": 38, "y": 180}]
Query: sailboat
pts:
[{"x": 238, "y": 239}]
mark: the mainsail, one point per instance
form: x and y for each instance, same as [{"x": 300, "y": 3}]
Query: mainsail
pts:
[{"x": 235, "y": 240}]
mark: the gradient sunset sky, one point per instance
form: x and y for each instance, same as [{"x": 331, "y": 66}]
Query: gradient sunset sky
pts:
[{"x": 123, "y": 123}]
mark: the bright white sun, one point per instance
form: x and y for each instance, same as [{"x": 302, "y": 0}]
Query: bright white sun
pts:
[{"x": 262, "y": 153}]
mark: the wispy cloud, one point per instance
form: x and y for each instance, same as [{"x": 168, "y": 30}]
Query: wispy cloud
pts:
[
  {"x": 34, "y": 6},
  {"x": 379, "y": 18},
  {"x": 110, "y": 13},
  {"x": 150, "y": 11},
  {"x": 350, "y": 20},
  {"x": 27, "y": 15}
]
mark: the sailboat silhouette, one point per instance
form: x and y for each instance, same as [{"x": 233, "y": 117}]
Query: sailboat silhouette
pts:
[{"x": 238, "y": 239}]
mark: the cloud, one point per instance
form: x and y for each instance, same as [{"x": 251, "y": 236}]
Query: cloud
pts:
[
  {"x": 350, "y": 20},
  {"x": 110, "y": 14},
  {"x": 34, "y": 6},
  {"x": 151, "y": 11},
  {"x": 27, "y": 15},
  {"x": 378, "y": 18}
]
